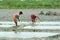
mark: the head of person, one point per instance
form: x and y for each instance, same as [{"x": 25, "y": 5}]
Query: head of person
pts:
[{"x": 20, "y": 12}]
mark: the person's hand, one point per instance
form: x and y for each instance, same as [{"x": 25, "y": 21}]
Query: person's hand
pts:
[{"x": 19, "y": 20}]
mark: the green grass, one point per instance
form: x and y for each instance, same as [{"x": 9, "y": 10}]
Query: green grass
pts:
[{"x": 29, "y": 4}]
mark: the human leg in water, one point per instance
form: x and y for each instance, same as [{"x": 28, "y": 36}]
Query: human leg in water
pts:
[
  {"x": 33, "y": 22},
  {"x": 15, "y": 28},
  {"x": 16, "y": 23}
]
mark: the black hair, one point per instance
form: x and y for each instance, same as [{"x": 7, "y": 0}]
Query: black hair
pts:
[{"x": 20, "y": 12}]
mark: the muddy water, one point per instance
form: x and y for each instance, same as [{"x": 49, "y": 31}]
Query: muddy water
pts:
[{"x": 6, "y": 15}]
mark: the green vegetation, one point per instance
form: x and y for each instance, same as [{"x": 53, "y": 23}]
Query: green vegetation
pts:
[{"x": 29, "y": 4}]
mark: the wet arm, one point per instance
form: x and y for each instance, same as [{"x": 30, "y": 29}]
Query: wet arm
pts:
[
  {"x": 38, "y": 17},
  {"x": 18, "y": 19}
]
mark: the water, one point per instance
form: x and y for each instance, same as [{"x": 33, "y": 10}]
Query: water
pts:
[
  {"x": 26, "y": 34},
  {"x": 6, "y": 15}
]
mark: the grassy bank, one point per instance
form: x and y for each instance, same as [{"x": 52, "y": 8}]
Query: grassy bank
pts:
[{"x": 30, "y": 4}]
